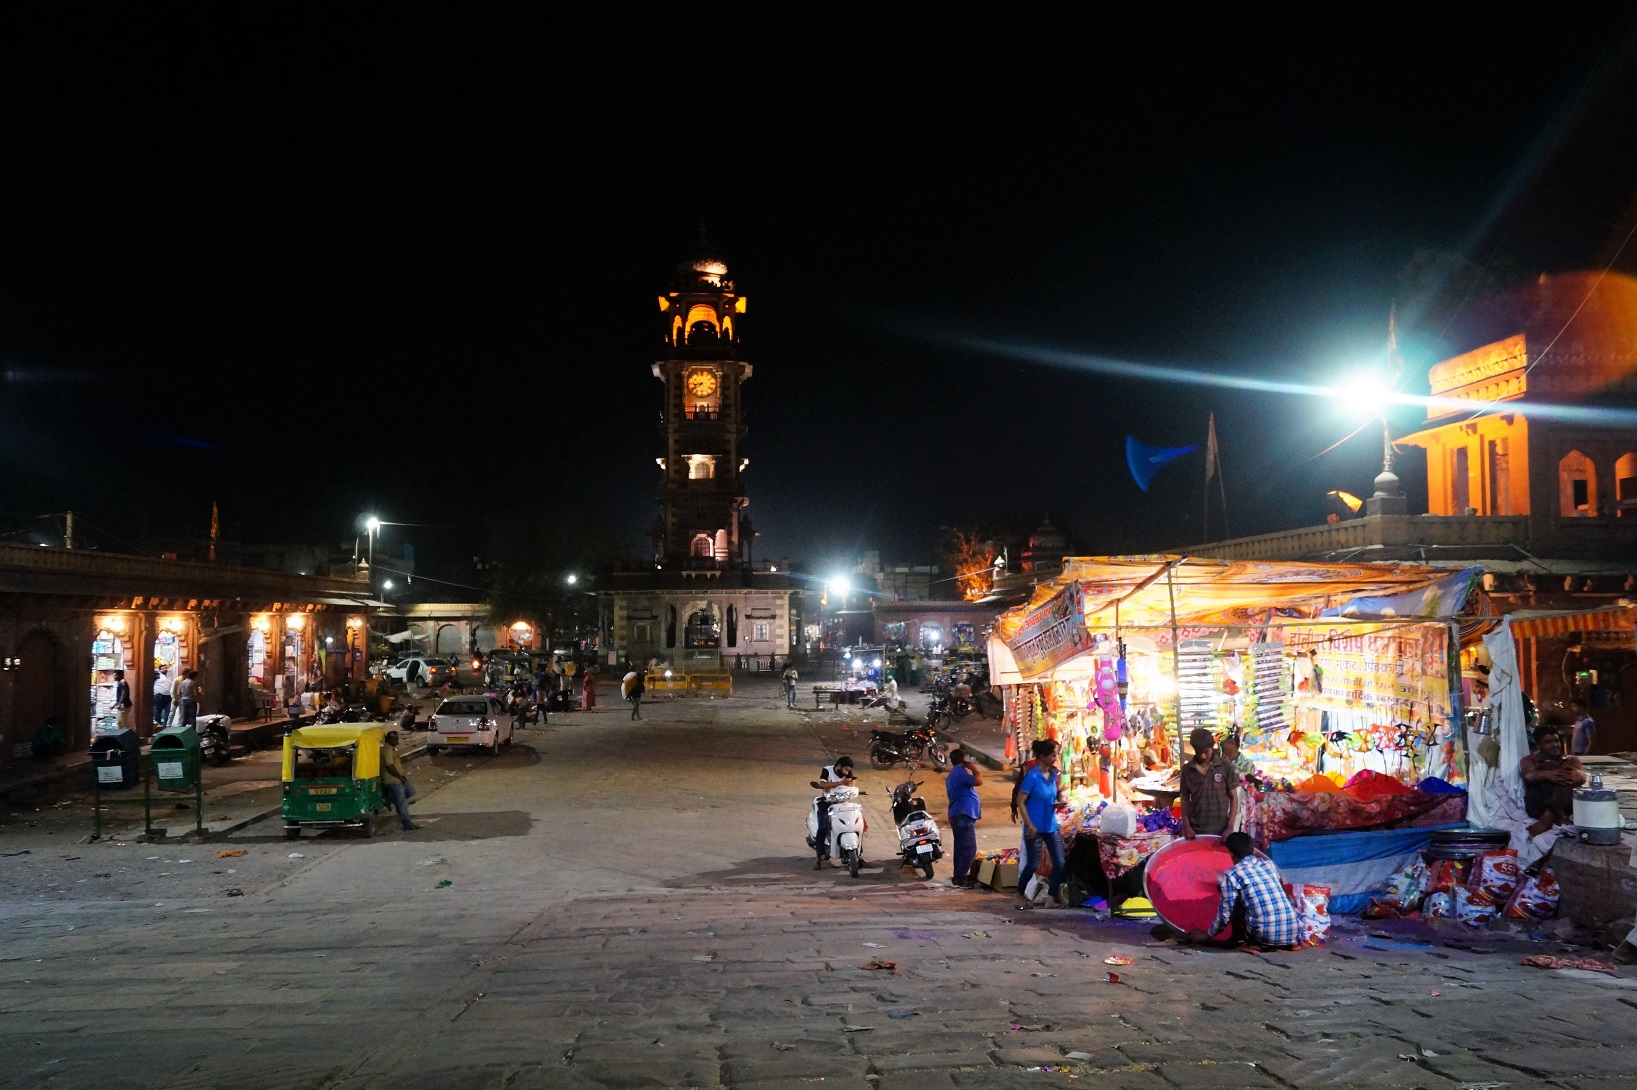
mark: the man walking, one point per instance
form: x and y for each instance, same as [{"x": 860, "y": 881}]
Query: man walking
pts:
[
  {"x": 1585, "y": 729},
  {"x": 395, "y": 785},
  {"x": 161, "y": 698},
  {"x": 964, "y": 811},
  {"x": 1038, "y": 796},
  {"x": 632, "y": 687}
]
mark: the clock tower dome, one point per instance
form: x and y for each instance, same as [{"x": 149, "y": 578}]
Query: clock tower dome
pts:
[{"x": 702, "y": 493}]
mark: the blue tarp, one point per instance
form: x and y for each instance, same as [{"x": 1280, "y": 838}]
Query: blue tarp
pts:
[
  {"x": 1352, "y": 865},
  {"x": 1444, "y": 598}
]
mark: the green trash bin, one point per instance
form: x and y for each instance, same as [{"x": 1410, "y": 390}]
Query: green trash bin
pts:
[{"x": 174, "y": 752}]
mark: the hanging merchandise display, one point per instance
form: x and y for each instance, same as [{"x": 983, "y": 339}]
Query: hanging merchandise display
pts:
[{"x": 1333, "y": 689}]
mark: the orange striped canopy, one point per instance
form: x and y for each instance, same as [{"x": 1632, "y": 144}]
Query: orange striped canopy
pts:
[{"x": 1529, "y": 623}]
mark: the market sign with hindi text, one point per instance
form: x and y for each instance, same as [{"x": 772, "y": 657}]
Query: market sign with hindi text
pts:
[{"x": 1052, "y": 633}]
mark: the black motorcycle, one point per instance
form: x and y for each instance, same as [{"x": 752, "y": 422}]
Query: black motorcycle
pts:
[
  {"x": 216, "y": 743},
  {"x": 888, "y": 748}
]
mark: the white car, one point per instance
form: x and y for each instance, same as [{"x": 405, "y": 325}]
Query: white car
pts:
[
  {"x": 418, "y": 670},
  {"x": 481, "y": 722}
]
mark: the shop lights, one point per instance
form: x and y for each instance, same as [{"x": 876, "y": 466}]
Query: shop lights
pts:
[
  {"x": 262, "y": 624},
  {"x": 295, "y": 622},
  {"x": 355, "y": 622},
  {"x": 173, "y": 624},
  {"x": 112, "y": 623}
]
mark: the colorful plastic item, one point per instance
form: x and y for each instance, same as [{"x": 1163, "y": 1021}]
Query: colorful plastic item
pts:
[{"x": 1181, "y": 882}]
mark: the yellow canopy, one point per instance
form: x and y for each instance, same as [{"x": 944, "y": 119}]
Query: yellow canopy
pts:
[
  {"x": 369, "y": 737},
  {"x": 1094, "y": 593}
]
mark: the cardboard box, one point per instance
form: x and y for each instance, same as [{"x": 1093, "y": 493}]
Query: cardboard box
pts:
[
  {"x": 1006, "y": 876},
  {"x": 986, "y": 871}
]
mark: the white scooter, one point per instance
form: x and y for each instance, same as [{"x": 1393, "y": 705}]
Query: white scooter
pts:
[
  {"x": 846, "y": 840},
  {"x": 919, "y": 843}
]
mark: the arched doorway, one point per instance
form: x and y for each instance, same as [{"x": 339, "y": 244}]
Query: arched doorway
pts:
[
  {"x": 702, "y": 635},
  {"x": 39, "y": 691},
  {"x": 448, "y": 642}
]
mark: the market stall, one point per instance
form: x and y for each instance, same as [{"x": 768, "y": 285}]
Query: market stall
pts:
[{"x": 1338, "y": 687}]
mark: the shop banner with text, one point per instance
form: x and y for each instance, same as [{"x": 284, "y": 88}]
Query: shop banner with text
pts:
[{"x": 1053, "y": 633}]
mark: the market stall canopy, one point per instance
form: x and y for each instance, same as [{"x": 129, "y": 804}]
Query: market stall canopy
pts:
[
  {"x": 1156, "y": 592},
  {"x": 1543, "y": 622}
]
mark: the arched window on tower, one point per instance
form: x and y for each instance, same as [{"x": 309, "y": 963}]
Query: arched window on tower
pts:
[
  {"x": 701, "y": 467},
  {"x": 702, "y": 323},
  {"x": 1625, "y": 486},
  {"x": 702, "y": 546},
  {"x": 1576, "y": 486}
]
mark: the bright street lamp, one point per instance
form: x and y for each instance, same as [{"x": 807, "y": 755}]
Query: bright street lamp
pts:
[
  {"x": 840, "y": 585},
  {"x": 386, "y": 584},
  {"x": 571, "y": 579},
  {"x": 1369, "y": 394},
  {"x": 372, "y": 526}
]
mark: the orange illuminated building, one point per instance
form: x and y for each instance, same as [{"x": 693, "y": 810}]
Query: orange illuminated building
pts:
[{"x": 1488, "y": 455}]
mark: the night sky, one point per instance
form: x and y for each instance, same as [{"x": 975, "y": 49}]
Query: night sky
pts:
[{"x": 310, "y": 265}]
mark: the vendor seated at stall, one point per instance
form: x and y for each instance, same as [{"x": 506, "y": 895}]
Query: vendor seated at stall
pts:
[
  {"x": 1230, "y": 753},
  {"x": 1210, "y": 789},
  {"x": 1549, "y": 780},
  {"x": 1253, "y": 901}
]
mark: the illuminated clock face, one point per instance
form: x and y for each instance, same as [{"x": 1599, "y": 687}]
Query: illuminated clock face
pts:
[{"x": 702, "y": 383}]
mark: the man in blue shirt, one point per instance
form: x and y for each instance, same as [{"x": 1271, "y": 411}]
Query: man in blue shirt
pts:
[
  {"x": 964, "y": 811},
  {"x": 1585, "y": 729},
  {"x": 1038, "y": 794},
  {"x": 1253, "y": 901}
]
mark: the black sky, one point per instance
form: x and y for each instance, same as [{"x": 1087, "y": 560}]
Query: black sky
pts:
[{"x": 316, "y": 262}]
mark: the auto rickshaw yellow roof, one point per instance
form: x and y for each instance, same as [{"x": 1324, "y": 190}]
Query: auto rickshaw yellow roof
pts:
[{"x": 332, "y": 735}]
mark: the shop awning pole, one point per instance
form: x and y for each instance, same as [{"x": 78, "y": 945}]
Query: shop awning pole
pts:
[
  {"x": 1113, "y": 769},
  {"x": 1176, "y": 660}
]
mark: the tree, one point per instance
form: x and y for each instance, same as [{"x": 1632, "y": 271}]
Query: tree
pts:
[{"x": 971, "y": 555}]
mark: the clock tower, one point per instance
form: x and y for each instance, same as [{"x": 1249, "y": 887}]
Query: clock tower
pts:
[{"x": 703, "y": 495}]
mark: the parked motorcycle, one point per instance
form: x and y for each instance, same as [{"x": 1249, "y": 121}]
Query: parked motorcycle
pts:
[
  {"x": 919, "y": 843},
  {"x": 215, "y": 741},
  {"x": 955, "y": 697},
  {"x": 888, "y": 748},
  {"x": 846, "y": 840}
]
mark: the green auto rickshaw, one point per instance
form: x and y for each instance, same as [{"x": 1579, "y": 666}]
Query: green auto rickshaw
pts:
[{"x": 332, "y": 777}]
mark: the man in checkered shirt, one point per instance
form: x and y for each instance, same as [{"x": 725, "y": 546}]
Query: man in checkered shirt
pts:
[{"x": 1253, "y": 901}]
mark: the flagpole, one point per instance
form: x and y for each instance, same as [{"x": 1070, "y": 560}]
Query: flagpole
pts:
[
  {"x": 1210, "y": 468},
  {"x": 1221, "y": 481}
]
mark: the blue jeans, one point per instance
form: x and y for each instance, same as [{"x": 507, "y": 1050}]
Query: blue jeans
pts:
[
  {"x": 789, "y": 696},
  {"x": 399, "y": 794},
  {"x": 1031, "y": 859},
  {"x": 965, "y": 833},
  {"x": 190, "y": 712},
  {"x": 161, "y": 709}
]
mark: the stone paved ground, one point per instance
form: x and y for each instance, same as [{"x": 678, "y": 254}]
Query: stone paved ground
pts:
[{"x": 626, "y": 905}]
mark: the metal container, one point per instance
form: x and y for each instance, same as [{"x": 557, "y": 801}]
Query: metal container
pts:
[{"x": 1597, "y": 817}]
